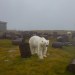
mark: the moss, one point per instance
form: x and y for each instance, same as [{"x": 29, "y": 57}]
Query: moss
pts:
[{"x": 54, "y": 64}]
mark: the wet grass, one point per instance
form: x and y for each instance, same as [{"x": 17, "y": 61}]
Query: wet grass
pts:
[{"x": 55, "y": 64}]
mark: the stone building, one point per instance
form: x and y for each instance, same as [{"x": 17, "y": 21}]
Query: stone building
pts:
[{"x": 3, "y": 26}]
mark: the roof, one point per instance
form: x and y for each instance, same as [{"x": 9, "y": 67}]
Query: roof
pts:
[{"x": 2, "y": 22}]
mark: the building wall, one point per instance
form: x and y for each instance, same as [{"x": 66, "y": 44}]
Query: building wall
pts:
[{"x": 3, "y": 26}]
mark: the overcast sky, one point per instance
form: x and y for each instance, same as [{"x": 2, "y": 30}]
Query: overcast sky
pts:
[{"x": 38, "y": 14}]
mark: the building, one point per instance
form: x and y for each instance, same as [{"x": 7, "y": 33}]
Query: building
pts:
[{"x": 3, "y": 26}]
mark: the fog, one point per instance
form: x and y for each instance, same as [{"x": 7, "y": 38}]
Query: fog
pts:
[{"x": 38, "y": 14}]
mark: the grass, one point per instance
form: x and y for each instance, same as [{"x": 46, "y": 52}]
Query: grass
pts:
[{"x": 55, "y": 64}]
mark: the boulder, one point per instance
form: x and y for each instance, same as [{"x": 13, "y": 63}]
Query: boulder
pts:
[
  {"x": 17, "y": 41},
  {"x": 71, "y": 66},
  {"x": 57, "y": 44},
  {"x": 24, "y": 50}
]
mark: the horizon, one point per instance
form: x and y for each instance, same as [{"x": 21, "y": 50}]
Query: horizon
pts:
[{"x": 38, "y": 14}]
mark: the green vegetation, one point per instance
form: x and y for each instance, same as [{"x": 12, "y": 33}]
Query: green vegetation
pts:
[{"x": 55, "y": 64}]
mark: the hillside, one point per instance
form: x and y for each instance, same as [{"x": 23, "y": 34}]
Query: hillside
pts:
[{"x": 55, "y": 64}]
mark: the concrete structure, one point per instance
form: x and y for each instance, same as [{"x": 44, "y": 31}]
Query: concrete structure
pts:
[{"x": 3, "y": 26}]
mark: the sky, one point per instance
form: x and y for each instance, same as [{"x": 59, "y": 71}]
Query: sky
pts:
[{"x": 38, "y": 14}]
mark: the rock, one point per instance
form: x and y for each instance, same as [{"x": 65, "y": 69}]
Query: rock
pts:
[
  {"x": 57, "y": 45},
  {"x": 71, "y": 66},
  {"x": 17, "y": 41},
  {"x": 24, "y": 50}
]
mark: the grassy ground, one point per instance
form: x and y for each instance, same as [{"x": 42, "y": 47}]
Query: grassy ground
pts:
[{"x": 55, "y": 64}]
